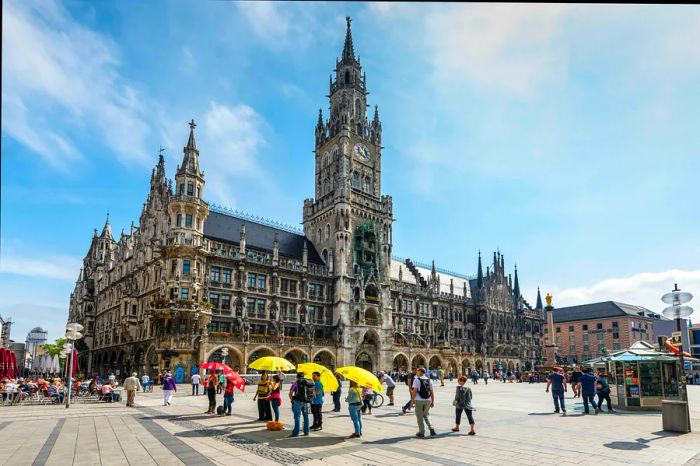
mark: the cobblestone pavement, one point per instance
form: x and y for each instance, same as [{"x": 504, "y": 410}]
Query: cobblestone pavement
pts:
[{"x": 515, "y": 425}]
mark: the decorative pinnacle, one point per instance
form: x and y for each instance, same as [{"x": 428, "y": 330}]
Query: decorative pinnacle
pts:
[{"x": 348, "y": 50}]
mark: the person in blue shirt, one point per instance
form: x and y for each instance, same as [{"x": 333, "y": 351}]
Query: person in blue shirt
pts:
[
  {"x": 558, "y": 383},
  {"x": 603, "y": 392},
  {"x": 317, "y": 402},
  {"x": 586, "y": 387}
]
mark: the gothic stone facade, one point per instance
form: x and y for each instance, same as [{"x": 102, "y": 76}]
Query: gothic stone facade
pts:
[{"x": 193, "y": 279}]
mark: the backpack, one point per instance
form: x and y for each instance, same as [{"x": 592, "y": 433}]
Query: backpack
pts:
[
  {"x": 424, "y": 388},
  {"x": 305, "y": 391},
  {"x": 462, "y": 397}
]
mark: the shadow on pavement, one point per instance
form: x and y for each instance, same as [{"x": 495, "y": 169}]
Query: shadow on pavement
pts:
[
  {"x": 389, "y": 415},
  {"x": 640, "y": 443},
  {"x": 542, "y": 414},
  {"x": 307, "y": 442}
]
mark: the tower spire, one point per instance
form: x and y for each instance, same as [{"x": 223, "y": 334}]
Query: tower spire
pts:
[
  {"x": 190, "y": 160},
  {"x": 348, "y": 49},
  {"x": 191, "y": 144},
  {"x": 539, "y": 300},
  {"x": 480, "y": 274},
  {"x": 107, "y": 229}
]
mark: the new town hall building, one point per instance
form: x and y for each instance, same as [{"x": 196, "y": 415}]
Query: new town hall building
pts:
[{"x": 192, "y": 279}]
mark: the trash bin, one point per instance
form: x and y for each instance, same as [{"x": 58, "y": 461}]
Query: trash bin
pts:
[{"x": 675, "y": 416}]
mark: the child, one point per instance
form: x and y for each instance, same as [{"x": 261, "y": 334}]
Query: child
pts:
[
  {"x": 367, "y": 395},
  {"x": 463, "y": 402}
]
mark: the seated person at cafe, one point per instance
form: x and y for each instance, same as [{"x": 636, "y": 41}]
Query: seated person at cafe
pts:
[
  {"x": 56, "y": 392},
  {"x": 106, "y": 393}
]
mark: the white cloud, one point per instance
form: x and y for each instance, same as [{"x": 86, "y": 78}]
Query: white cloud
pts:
[
  {"x": 231, "y": 138},
  {"x": 54, "y": 267},
  {"x": 57, "y": 72},
  {"x": 25, "y": 316},
  {"x": 644, "y": 289},
  {"x": 512, "y": 48}
]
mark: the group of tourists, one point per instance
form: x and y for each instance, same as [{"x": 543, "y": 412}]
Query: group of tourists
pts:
[
  {"x": 17, "y": 390},
  {"x": 584, "y": 384}
]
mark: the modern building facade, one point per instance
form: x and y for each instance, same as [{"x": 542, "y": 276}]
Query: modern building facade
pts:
[
  {"x": 33, "y": 344},
  {"x": 694, "y": 347},
  {"x": 587, "y": 331},
  {"x": 193, "y": 278}
]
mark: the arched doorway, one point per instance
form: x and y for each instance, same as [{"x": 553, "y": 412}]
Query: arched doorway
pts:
[
  {"x": 434, "y": 363},
  {"x": 511, "y": 366},
  {"x": 152, "y": 363},
  {"x": 400, "y": 363},
  {"x": 466, "y": 366},
  {"x": 480, "y": 367},
  {"x": 325, "y": 358},
  {"x": 233, "y": 358},
  {"x": 364, "y": 361},
  {"x": 452, "y": 366},
  {"x": 418, "y": 361},
  {"x": 296, "y": 356},
  {"x": 259, "y": 353}
]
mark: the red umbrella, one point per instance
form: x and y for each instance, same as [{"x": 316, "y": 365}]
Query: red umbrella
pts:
[
  {"x": 13, "y": 365},
  {"x": 75, "y": 362},
  {"x": 3, "y": 351},
  {"x": 215, "y": 366},
  {"x": 235, "y": 378}
]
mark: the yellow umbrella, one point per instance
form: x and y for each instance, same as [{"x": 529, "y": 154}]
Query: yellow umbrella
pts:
[
  {"x": 330, "y": 383},
  {"x": 362, "y": 377},
  {"x": 272, "y": 364}
]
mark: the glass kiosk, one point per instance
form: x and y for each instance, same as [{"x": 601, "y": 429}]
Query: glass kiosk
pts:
[{"x": 641, "y": 377}]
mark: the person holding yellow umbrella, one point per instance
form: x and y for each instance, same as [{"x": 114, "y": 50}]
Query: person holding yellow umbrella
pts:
[{"x": 358, "y": 378}]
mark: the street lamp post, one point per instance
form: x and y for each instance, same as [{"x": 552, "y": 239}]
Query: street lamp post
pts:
[
  {"x": 72, "y": 333},
  {"x": 677, "y": 311}
]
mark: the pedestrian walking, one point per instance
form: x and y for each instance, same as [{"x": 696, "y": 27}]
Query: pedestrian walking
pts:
[
  {"x": 131, "y": 384},
  {"x": 300, "y": 394},
  {"x": 228, "y": 399},
  {"x": 603, "y": 393},
  {"x": 337, "y": 394},
  {"x": 212, "y": 384},
  {"x": 586, "y": 386},
  {"x": 475, "y": 377},
  {"x": 195, "y": 384},
  {"x": 145, "y": 382},
  {"x": 354, "y": 400},
  {"x": 441, "y": 377},
  {"x": 367, "y": 395},
  {"x": 275, "y": 396},
  {"x": 573, "y": 381},
  {"x": 486, "y": 377},
  {"x": 423, "y": 398},
  {"x": 264, "y": 409},
  {"x": 463, "y": 402},
  {"x": 317, "y": 402},
  {"x": 390, "y": 386},
  {"x": 169, "y": 388},
  {"x": 409, "y": 382},
  {"x": 558, "y": 383},
  {"x": 222, "y": 381}
]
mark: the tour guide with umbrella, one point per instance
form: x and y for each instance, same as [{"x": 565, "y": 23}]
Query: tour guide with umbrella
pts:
[
  {"x": 231, "y": 375},
  {"x": 271, "y": 364},
  {"x": 361, "y": 377},
  {"x": 330, "y": 383}
]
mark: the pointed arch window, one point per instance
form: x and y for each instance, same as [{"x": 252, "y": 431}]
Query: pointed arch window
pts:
[
  {"x": 367, "y": 184},
  {"x": 355, "y": 180}
]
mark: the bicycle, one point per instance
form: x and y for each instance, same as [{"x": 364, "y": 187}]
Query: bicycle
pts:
[{"x": 377, "y": 400}]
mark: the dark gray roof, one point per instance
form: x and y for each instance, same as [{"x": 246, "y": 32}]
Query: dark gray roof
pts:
[
  {"x": 600, "y": 311},
  {"x": 227, "y": 228}
]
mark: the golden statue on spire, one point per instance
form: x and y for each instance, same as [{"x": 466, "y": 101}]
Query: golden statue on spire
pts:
[{"x": 548, "y": 298}]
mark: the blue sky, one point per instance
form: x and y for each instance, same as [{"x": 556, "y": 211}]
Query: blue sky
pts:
[{"x": 565, "y": 135}]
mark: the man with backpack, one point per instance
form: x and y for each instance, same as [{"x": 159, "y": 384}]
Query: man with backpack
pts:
[
  {"x": 301, "y": 394},
  {"x": 423, "y": 398}
]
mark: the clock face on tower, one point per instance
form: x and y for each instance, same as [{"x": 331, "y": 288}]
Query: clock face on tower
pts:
[{"x": 362, "y": 152}]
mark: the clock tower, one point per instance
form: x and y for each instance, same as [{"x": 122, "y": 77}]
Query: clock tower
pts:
[{"x": 349, "y": 221}]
